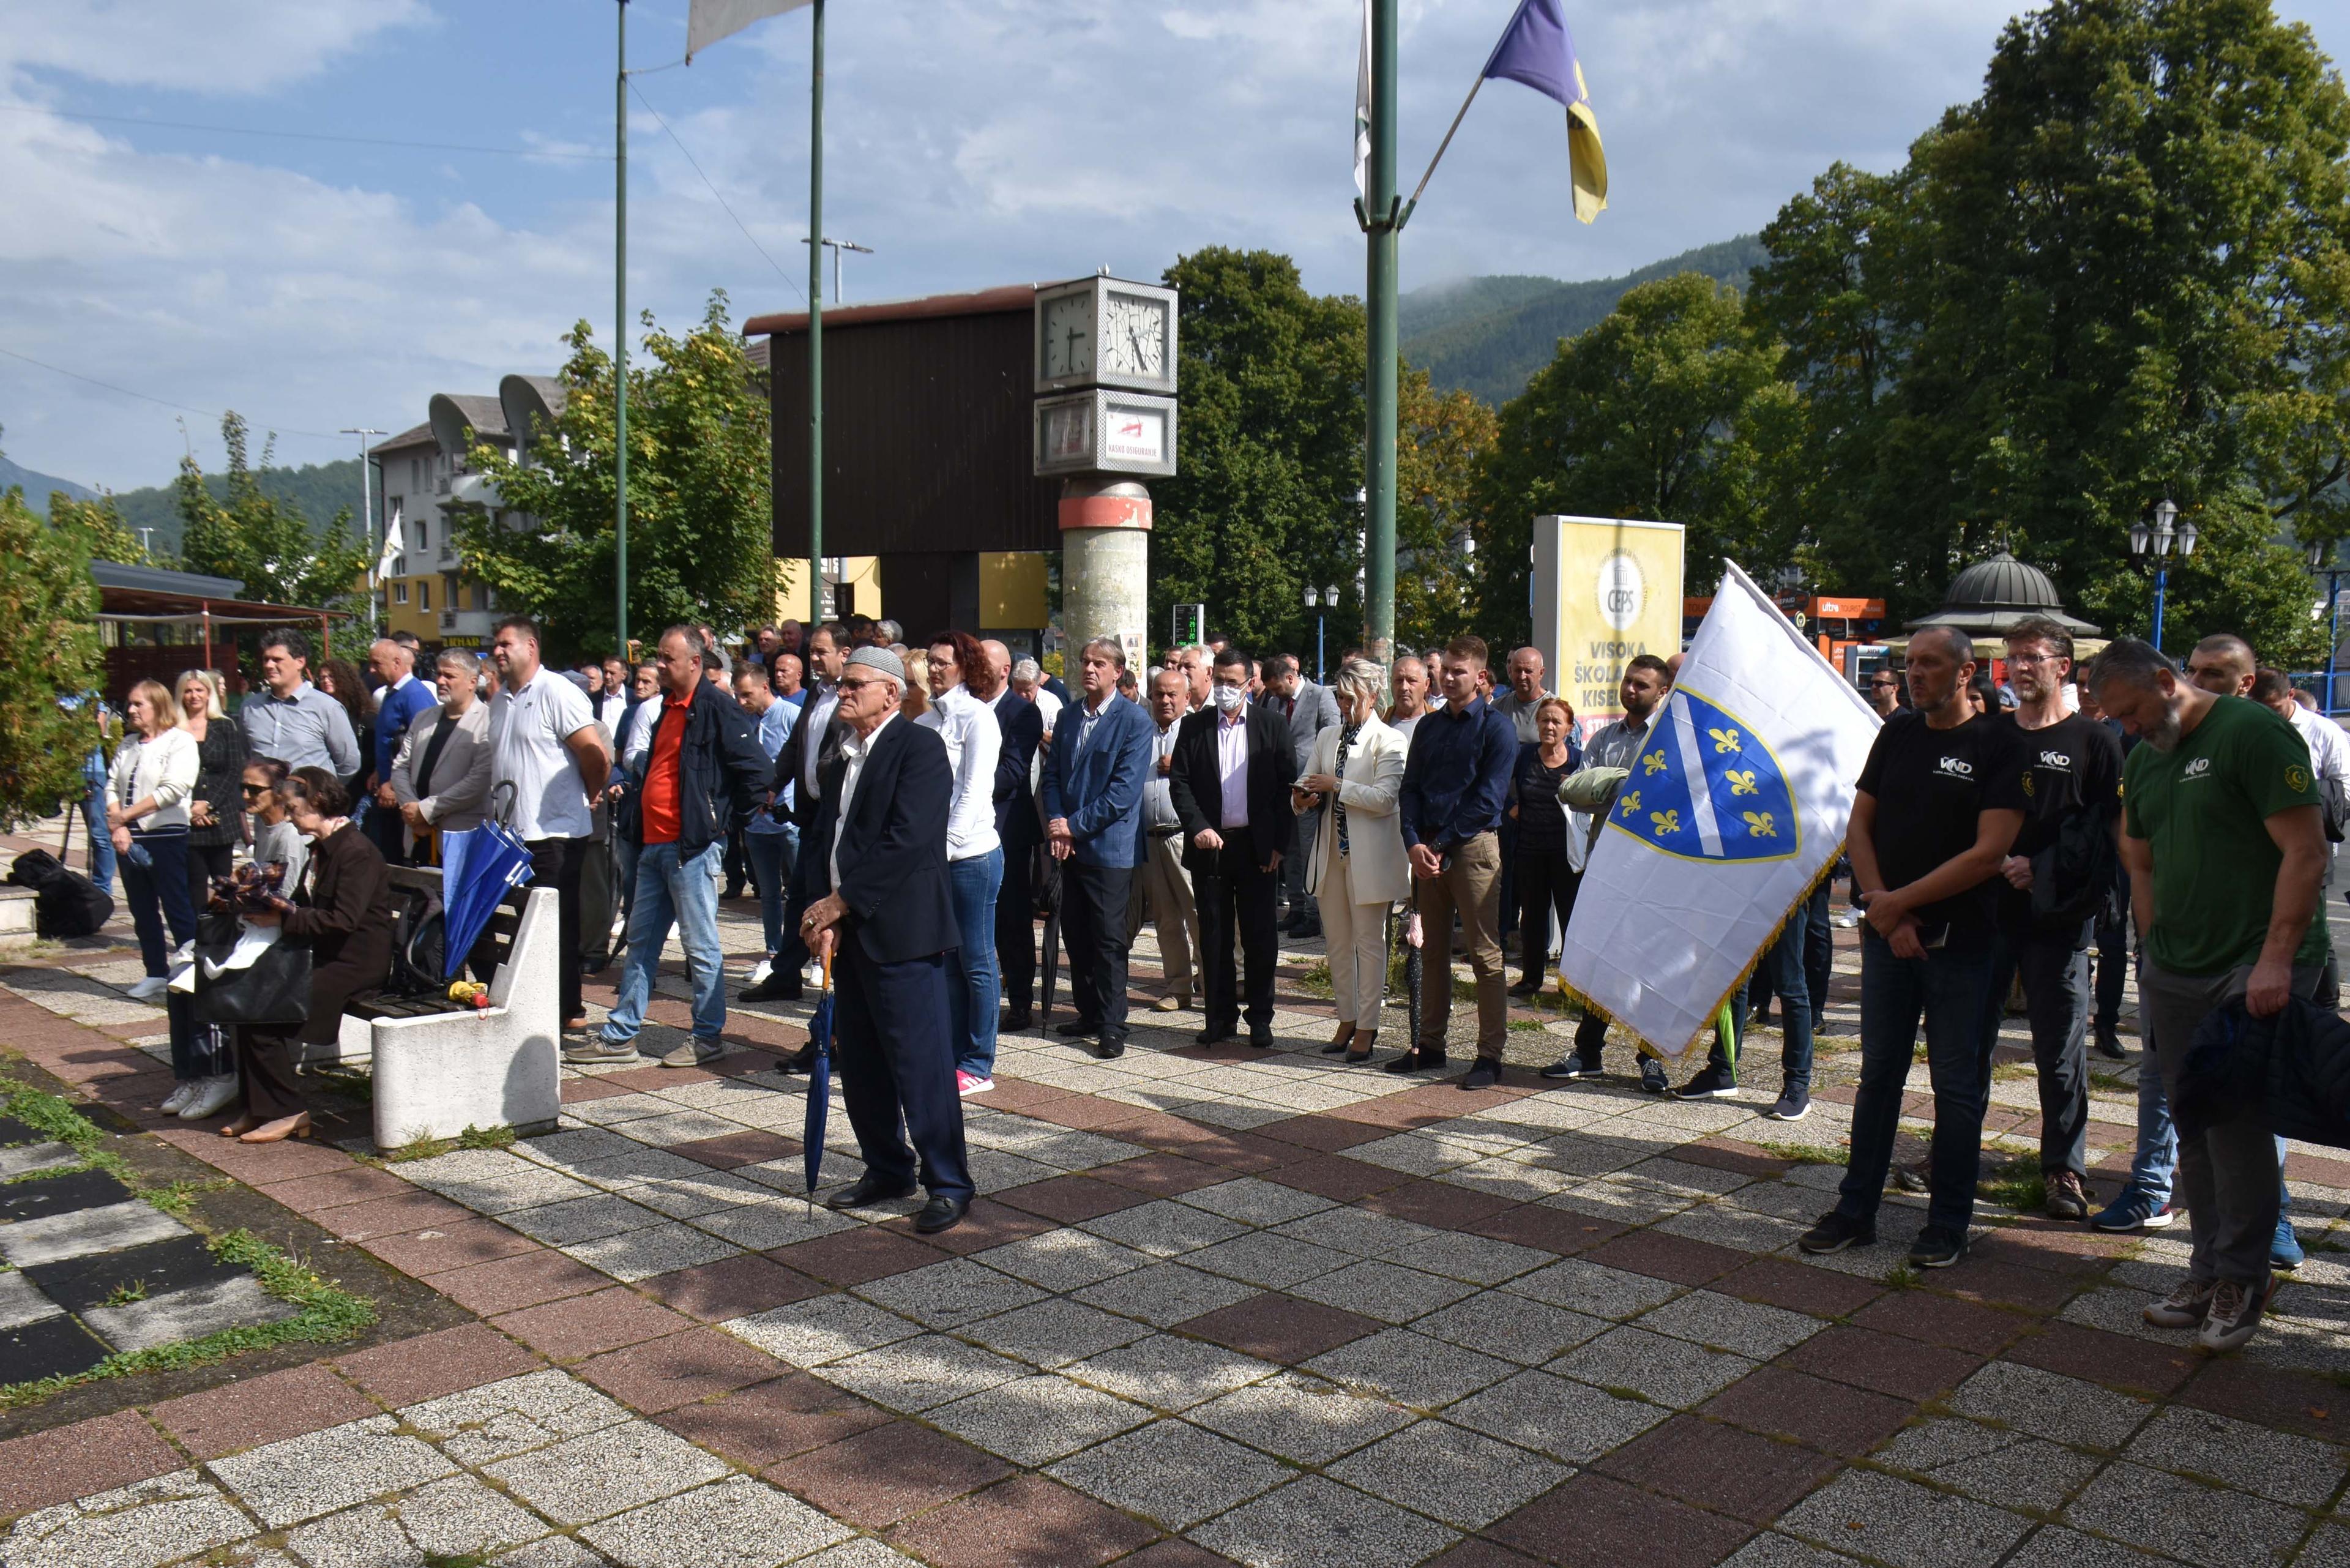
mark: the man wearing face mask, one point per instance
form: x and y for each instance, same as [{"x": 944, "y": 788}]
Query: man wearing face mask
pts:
[{"x": 1229, "y": 780}]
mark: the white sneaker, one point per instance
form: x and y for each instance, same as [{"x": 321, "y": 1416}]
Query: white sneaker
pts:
[
  {"x": 178, "y": 1097},
  {"x": 212, "y": 1096},
  {"x": 760, "y": 972},
  {"x": 150, "y": 988}
]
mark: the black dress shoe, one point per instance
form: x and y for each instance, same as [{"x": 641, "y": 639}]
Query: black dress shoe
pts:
[
  {"x": 868, "y": 1190},
  {"x": 1017, "y": 1020},
  {"x": 1212, "y": 1035},
  {"x": 800, "y": 1061},
  {"x": 1416, "y": 1061},
  {"x": 1306, "y": 927},
  {"x": 1110, "y": 1046},
  {"x": 1261, "y": 1039},
  {"x": 941, "y": 1214},
  {"x": 779, "y": 986},
  {"x": 1081, "y": 1026}
]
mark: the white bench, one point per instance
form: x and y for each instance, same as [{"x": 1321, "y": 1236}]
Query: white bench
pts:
[{"x": 437, "y": 1074}]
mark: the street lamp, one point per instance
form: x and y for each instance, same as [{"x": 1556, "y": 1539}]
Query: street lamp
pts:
[
  {"x": 2158, "y": 539},
  {"x": 1322, "y": 601},
  {"x": 2322, "y": 556}
]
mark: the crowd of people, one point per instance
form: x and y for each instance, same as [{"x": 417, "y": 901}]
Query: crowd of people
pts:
[{"x": 2004, "y": 840}]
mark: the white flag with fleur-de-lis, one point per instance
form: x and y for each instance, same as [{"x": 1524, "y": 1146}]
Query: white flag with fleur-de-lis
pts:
[{"x": 1735, "y": 807}]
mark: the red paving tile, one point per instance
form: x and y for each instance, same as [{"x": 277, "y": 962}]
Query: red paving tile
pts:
[
  {"x": 2067, "y": 1251},
  {"x": 1560, "y": 1230},
  {"x": 730, "y": 1288},
  {"x": 1596, "y": 1522},
  {"x": 407, "y": 1211},
  {"x": 432, "y": 1365},
  {"x": 1662, "y": 1256},
  {"x": 331, "y": 1189},
  {"x": 2307, "y": 1403},
  {"x": 848, "y": 1258},
  {"x": 769, "y": 1422},
  {"x": 586, "y": 1325},
  {"x": 1943, "y": 1320},
  {"x": 524, "y": 1279},
  {"x": 1030, "y": 1522},
  {"x": 248, "y": 1414},
  {"x": 438, "y": 1248},
  {"x": 1282, "y": 1329},
  {"x": 67, "y": 1462},
  {"x": 988, "y": 1224},
  {"x": 1780, "y": 1283},
  {"x": 1163, "y": 1175},
  {"x": 575, "y": 1090},
  {"x": 677, "y": 1369},
  {"x": 1780, "y": 1402},
  {"x": 1997, "y": 1283},
  {"x": 1086, "y": 1114},
  {"x": 1326, "y": 1134},
  {"x": 1721, "y": 1467},
  {"x": 1729, "y": 1154},
  {"x": 877, "y": 1478},
  {"x": 738, "y": 1148},
  {"x": 1071, "y": 1198},
  {"x": 1336, "y": 1178},
  {"x": 1883, "y": 1363},
  {"x": 1437, "y": 1203},
  {"x": 2142, "y": 1367}
]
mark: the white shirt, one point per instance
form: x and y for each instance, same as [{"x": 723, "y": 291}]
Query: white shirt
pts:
[
  {"x": 1048, "y": 705},
  {"x": 854, "y": 748},
  {"x": 1231, "y": 765},
  {"x": 817, "y": 715},
  {"x": 1158, "y": 790},
  {"x": 2329, "y": 747},
  {"x": 609, "y": 707},
  {"x": 528, "y": 725},
  {"x": 974, "y": 740}
]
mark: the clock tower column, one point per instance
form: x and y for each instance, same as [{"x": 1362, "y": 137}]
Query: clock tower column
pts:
[{"x": 1106, "y": 563}]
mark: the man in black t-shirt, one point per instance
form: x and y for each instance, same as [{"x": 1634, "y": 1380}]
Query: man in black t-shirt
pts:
[
  {"x": 1939, "y": 805},
  {"x": 2046, "y": 902}
]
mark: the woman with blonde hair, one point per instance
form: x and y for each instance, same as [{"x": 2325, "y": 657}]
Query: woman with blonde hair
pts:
[
  {"x": 1353, "y": 777},
  {"x": 147, "y": 820}
]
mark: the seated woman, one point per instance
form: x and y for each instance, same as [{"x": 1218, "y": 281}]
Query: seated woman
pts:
[{"x": 344, "y": 915}]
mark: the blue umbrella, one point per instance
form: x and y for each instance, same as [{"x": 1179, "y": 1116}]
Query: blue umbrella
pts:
[
  {"x": 819, "y": 1092},
  {"x": 478, "y": 867}
]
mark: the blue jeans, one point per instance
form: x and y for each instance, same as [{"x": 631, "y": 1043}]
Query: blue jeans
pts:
[
  {"x": 2155, "y": 1164},
  {"x": 1783, "y": 965},
  {"x": 1950, "y": 987},
  {"x": 972, "y": 990},
  {"x": 683, "y": 889},
  {"x": 160, "y": 898},
  {"x": 93, "y": 807},
  {"x": 772, "y": 857}
]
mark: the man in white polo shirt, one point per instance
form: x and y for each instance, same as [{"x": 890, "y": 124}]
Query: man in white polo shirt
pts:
[{"x": 544, "y": 743}]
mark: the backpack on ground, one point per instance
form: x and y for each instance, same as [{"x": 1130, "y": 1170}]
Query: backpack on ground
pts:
[{"x": 65, "y": 902}]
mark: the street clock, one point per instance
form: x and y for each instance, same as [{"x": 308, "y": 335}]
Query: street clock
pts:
[
  {"x": 1106, "y": 332},
  {"x": 1105, "y": 431}
]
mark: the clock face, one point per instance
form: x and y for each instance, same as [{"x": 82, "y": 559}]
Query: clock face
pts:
[
  {"x": 1068, "y": 345},
  {"x": 1135, "y": 336}
]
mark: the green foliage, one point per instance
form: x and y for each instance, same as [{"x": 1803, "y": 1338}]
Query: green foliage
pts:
[
  {"x": 48, "y": 652},
  {"x": 1441, "y": 439},
  {"x": 1271, "y": 458},
  {"x": 263, "y": 542},
  {"x": 99, "y": 524},
  {"x": 1670, "y": 408},
  {"x": 1488, "y": 336},
  {"x": 315, "y": 490},
  {"x": 700, "y": 546}
]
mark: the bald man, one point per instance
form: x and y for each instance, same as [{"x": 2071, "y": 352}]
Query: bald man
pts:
[{"x": 404, "y": 696}]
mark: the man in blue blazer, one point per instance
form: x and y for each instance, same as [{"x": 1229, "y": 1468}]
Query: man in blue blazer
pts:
[
  {"x": 1094, "y": 776},
  {"x": 885, "y": 917},
  {"x": 1017, "y": 824}
]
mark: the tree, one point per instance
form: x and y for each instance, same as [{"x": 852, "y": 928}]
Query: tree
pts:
[
  {"x": 1659, "y": 412},
  {"x": 100, "y": 523},
  {"x": 265, "y": 543},
  {"x": 700, "y": 527},
  {"x": 48, "y": 652},
  {"x": 1441, "y": 439},
  {"x": 1271, "y": 445}
]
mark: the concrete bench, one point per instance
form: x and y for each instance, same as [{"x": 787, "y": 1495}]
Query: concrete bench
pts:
[{"x": 440, "y": 1068}]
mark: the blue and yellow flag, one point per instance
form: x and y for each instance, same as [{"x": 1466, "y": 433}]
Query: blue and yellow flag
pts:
[{"x": 1537, "y": 51}]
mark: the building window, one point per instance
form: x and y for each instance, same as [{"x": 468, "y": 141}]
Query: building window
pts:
[
  {"x": 415, "y": 473},
  {"x": 424, "y": 596},
  {"x": 399, "y": 593},
  {"x": 424, "y": 535}
]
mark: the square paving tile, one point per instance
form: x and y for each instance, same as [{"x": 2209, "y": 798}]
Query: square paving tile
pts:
[
  {"x": 1254, "y": 1201},
  {"x": 588, "y": 1325},
  {"x": 162, "y": 1519},
  {"x": 430, "y": 1366},
  {"x": 580, "y": 1220},
  {"x": 1597, "y": 1521},
  {"x": 1410, "y": 1369},
  {"x": 655, "y": 1250},
  {"x": 1571, "y": 1422},
  {"x": 1267, "y": 1260},
  {"x": 606, "y": 1473},
  {"x": 1386, "y": 1290},
  {"x": 1904, "y": 1525},
  {"x": 2275, "y": 1465},
  {"x": 1783, "y": 1403},
  {"x": 1477, "y": 1260},
  {"x": 877, "y": 1478},
  {"x": 2054, "y": 1546},
  {"x": 737, "y": 1522},
  {"x": 915, "y": 1374},
  {"x": 302, "y": 1478},
  {"x": 731, "y": 1288},
  {"x": 1053, "y": 1334},
  {"x": 1300, "y": 1417},
  {"x": 1281, "y": 1328},
  {"x": 1070, "y": 1198},
  {"x": 1315, "y": 1522},
  {"x": 2064, "y": 1409},
  {"x": 1362, "y": 1232},
  {"x": 853, "y": 1257},
  {"x": 455, "y": 1518},
  {"x": 1165, "y": 1228},
  {"x": 1169, "y": 1373},
  {"x": 1064, "y": 1260},
  {"x": 662, "y": 1374},
  {"x": 1166, "y": 1293},
  {"x": 1028, "y": 1521},
  {"x": 1885, "y": 1363},
  {"x": 945, "y": 1294},
  {"x": 439, "y": 1249},
  {"x": 1707, "y": 1317},
  {"x": 1032, "y": 1421},
  {"x": 1655, "y": 1366},
  {"x": 820, "y": 1329},
  {"x": 1721, "y": 1467},
  {"x": 2010, "y": 1470},
  {"x": 501, "y": 1419},
  {"x": 2185, "y": 1519},
  {"x": 769, "y": 1422},
  {"x": 258, "y": 1411},
  {"x": 1463, "y": 1478},
  {"x": 1581, "y": 1285},
  {"x": 1515, "y": 1327},
  {"x": 771, "y": 1224},
  {"x": 1171, "y": 1472}
]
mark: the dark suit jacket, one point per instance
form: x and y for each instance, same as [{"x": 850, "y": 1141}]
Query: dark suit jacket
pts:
[
  {"x": 893, "y": 846},
  {"x": 345, "y": 918},
  {"x": 1023, "y": 724},
  {"x": 791, "y": 763},
  {"x": 1195, "y": 782}
]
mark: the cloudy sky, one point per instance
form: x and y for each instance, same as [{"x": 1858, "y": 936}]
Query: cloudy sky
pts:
[{"x": 154, "y": 243}]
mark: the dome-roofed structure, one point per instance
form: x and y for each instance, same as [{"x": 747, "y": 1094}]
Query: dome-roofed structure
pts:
[{"x": 1992, "y": 596}]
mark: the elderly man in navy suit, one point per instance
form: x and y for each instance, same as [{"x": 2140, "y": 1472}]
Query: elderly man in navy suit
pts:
[
  {"x": 885, "y": 916},
  {"x": 1094, "y": 776}
]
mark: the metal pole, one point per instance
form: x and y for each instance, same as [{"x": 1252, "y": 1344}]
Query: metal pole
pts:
[
  {"x": 1379, "y": 453},
  {"x": 2333, "y": 633},
  {"x": 2161, "y": 581},
  {"x": 1320, "y": 664},
  {"x": 815, "y": 322},
  {"x": 620, "y": 345}
]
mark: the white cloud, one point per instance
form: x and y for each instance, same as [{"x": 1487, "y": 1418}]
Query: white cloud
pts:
[{"x": 239, "y": 47}]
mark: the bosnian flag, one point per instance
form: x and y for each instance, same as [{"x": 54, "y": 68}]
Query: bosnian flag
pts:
[
  {"x": 386, "y": 560},
  {"x": 1535, "y": 50},
  {"x": 1735, "y": 808},
  {"x": 707, "y": 21}
]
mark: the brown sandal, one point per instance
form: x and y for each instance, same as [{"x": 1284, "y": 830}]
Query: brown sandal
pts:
[
  {"x": 240, "y": 1127},
  {"x": 295, "y": 1125}
]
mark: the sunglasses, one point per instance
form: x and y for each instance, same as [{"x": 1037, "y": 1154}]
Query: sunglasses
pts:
[{"x": 254, "y": 789}]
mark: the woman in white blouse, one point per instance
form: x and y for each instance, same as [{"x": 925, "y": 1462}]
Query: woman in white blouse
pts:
[
  {"x": 974, "y": 852},
  {"x": 147, "y": 816},
  {"x": 1353, "y": 777}
]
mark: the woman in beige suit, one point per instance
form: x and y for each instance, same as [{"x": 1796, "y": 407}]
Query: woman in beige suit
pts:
[{"x": 1357, "y": 868}]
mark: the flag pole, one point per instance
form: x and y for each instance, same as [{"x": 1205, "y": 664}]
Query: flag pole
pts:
[
  {"x": 1380, "y": 222},
  {"x": 815, "y": 325},
  {"x": 1406, "y": 216},
  {"x": 620, "y": 345}
]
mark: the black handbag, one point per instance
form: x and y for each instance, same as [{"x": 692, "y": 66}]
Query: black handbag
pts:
[{"x": 273, "y": 989}]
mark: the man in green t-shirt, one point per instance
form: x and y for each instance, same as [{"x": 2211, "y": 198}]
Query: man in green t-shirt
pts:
[{"x": 2223, "y": 838}]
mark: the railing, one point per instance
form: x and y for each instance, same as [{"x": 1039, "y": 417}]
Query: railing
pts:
[
  {"x": 441, "y": 485},
  {"x": 448, "y": 620}
]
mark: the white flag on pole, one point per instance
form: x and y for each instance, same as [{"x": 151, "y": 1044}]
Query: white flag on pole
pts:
[
  {"x": 1363, "y": 107},
  {"x": 394, "y": 542},
  {"x": 707, "y": 21},
  {"x": 1736, "y": 807}
]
